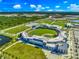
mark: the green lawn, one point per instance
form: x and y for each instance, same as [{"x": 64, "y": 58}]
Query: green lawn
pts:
[
  {"x": 60, "y": 22},
  {"x": 40, "y": 32},
  {"x": 17, "y": 29},
  {"x": 57, "y": 22},
  {"x": 23, "y": 51},
  {"x": 7, "y": 22},
  {"x": 47, "y": 21}
]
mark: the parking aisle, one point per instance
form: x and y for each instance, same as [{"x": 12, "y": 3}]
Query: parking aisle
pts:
[{"x": 76, "y": 44}]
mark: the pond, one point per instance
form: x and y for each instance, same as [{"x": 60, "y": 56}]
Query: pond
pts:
[{"x": 4, "y": 39}]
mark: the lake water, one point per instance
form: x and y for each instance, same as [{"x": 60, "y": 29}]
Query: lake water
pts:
[
  {"x": 74, "y": 20},
  {"x": 4, "y": 39}
]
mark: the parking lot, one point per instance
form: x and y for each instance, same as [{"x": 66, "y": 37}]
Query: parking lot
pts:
[
  {"x": 73, "y": 39},
  {"x": 76, "y": 44}
]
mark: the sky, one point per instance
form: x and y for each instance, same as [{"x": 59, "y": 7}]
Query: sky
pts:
[{"x": 39, "y": 5}]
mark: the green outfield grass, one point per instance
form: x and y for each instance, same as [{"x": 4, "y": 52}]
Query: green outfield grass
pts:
[
  {"x": 40, "y": 32},
  {"x": 23, "y": 51},
  {"x": 17, "y": 29}
]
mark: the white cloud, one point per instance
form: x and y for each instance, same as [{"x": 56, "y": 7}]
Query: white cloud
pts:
[
  {"x": 74, "y": 7},
  {"x": 47, "y": 7},
  {"x": 43, "y": 8},
  {"x": 39, "y": 6},
  {"x": 68, "y": 7},
  {"x": 59, "y": 10},
  {"x": 50, "y": 10},
  {"x": 33, "y": 6},
  {"x": 65, "y": 1},
  {"x": 37, "y": 10},
  {"x": 17, "y": 6},
  {"x": 57, "y": 6}
]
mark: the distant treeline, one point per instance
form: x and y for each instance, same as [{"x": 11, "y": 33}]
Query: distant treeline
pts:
[
  {"x": 63, "y": 13},
  {"x": 6, "y": 22}
]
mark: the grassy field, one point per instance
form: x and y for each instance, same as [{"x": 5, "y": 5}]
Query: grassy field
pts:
[
  {"x": 40, "y": 32},
  {"x": 17, "y": 29},
  {"x": 6, "y": 22},
  {"x": 22, "y": 28},
  {"x": 60, "y": 22},
  {"x": 23, "y": 51},
  {"x": 57, "y": 22},
  {"x": 47, "y": 21}
]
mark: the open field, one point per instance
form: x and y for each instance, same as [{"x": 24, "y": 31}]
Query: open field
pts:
[
  {"x": 17, "y": 29},
  {"x": 46, "y": 21},
  {"x": 23, "y": 51},
  {"x": 60, "y": 22},
  {"x": 54, "y": 22},
  {"x": 6, "y": 22},
  {"x": 40, "y": 32},
  {"x": 10, "y": 27}
]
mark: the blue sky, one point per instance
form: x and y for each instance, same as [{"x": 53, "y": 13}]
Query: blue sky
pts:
[{"x": 39, "y": 5}]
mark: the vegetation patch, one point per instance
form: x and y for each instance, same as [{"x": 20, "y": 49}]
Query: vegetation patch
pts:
[
  {"x": 23, "y": 51},
  {"x": 47, "y": 21},
  {"x": 6, "y": 22},
  {"x": 60, "y": 22},
  {"x": 17, "y": 29}
]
